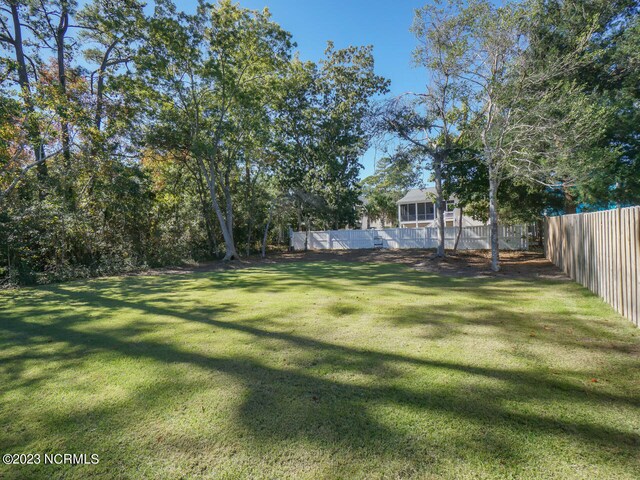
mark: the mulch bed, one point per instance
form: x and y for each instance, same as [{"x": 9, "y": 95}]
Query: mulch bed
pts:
[{"x": 469, "y": 263}]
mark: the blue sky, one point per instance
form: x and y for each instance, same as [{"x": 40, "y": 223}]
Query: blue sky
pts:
[{"x": 381, "y": 23}]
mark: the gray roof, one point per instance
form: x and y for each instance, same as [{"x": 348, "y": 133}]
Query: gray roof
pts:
[{"x": 418, "y": 195}]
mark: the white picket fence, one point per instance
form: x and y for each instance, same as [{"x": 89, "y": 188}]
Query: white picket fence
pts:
[{"x": 472, "y": 238}]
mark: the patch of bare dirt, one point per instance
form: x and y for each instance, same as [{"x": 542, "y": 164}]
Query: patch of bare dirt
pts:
[{"x": 475, "y": 263}]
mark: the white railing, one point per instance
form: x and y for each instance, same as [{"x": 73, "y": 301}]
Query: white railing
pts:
[
  {"x": 472, "y": 238},
  {"x": 429, "y": 217}
]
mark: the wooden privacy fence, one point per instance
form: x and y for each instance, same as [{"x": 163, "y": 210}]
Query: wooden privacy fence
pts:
[
  {"x": 601, "y": 251},
  {"x": 471, "y": 238}
]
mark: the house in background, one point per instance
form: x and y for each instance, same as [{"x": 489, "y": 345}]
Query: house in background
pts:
[{"x": 417, "y": 209}]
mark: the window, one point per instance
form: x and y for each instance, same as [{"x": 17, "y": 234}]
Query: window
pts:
[
  {"x": 422, "y": 211},
  {"x": 425, "y": 211},
  {"x": 408, "y": 212}
]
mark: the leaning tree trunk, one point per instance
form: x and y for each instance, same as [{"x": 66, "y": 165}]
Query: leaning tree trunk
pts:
[
  {"x": 230, "y": 247},
  {"x": 493, "y": 217},
  {"x": 230, "y": 244},
  {"x": 437, "y": 170}
]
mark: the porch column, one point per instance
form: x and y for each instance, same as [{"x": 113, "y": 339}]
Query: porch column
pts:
[
  {"x": 416, "y": 204},
  {"x": 399, "y": 216}
]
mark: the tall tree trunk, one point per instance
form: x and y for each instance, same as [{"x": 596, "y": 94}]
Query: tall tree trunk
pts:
[
  {"x": 437, "y": 171},
  {"x": 33, "y": 129},
  {"x": 249, "y": 197},
  {"x": 459, "y": 234},
  {"x": 230, "y": 247},
  {"x": 226, "y": 188},
  {"x": 61, "y": 33},
  {"x": 266, "y": 232},
  {"x": 210, "y": 176},
  {"x": 493, "y": 217},
  {"x": 100, "y": 87}
]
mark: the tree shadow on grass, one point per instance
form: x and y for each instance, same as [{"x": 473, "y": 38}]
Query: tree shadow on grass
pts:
[
  {"x": 277, "y": 278},
  {"x": 299, "y": 401}
]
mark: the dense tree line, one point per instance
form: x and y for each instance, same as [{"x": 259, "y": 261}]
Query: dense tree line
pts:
[
  {"x": 131, "y": 138},
  {"x": 134, "y": 136}
]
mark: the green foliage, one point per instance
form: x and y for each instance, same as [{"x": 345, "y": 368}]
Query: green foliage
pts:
[
  {"x": 133, "y": 137},
  {"x": 209, "y": 82},
  {"x": 137, "y": 139},
  {"x": 599, "y": 90},
  {"x": 108, "y": 232},
  {"x": 520, "y": 200},
  {"x": 322, "y": 129}
]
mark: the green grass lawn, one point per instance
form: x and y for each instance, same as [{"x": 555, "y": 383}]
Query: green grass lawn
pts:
[{"x": 319, "y": 370}]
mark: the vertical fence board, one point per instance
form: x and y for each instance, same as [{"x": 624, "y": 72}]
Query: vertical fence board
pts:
[
  {"x": 635, "y": 244},
  {"x": 605, "y": 251},
  {"x": 612, "y": 258},
  {"x": 625, "y": 263},
  {"x": 617, "y": 264},
  {"x": 631, "y": 273},
  {"x": 611, "y": 255},
  {"x": 636, "y": 250},
  {"x": 600, "y": 254}
]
